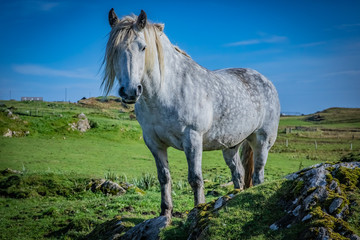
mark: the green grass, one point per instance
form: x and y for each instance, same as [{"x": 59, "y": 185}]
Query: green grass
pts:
[
  {"x": 249, "y": 214},
  {"x": 58, "y": 163}
]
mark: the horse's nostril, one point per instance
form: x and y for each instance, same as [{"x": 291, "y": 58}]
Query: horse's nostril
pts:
[{"x": 139, "y": 90}]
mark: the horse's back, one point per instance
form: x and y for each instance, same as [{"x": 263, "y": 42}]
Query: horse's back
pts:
[
  {"x": 260, "y": 89},
  {"x": 249, "y": 103},
  {"x": 257, "y": 86}
]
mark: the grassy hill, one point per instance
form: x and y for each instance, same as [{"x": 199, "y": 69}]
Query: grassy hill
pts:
[{"x": 53, "y": 157}]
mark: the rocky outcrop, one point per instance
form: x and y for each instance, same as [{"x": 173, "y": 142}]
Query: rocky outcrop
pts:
[
  {"x": 10, "y": 133},
  {"x": 81, "y": 125},
  {"x": 320, "y": 199},
  {"x": 11, "y": 115}
]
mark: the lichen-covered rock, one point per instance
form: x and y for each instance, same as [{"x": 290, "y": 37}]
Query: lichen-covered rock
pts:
[
  {"x": 148, "y": 229},
  {"x": 8, "y": 133},
  {"x": 106, "y": 186},
  {"x": 9, "y": 171},
  {"x": 109, "y": 230},
  {"x": 11, "y": 115},
  {"x": 81, "y": 125},
  {"x": 320, "y": 199},
  {"x": 118, "y": 228}
]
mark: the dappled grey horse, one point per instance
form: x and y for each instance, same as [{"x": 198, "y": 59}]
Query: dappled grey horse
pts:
[{"x": 182, "y": 105}]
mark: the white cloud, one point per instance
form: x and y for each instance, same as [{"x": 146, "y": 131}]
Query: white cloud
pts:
[
  {"x": 38, "y": 70},
  {"x": 271, "y": 39},
  {"x": 348, "y": 26},
  {"x": 348, "y": 73},
  {"x": 47, "y": 6},
  {"x": 313, "y": 44}
]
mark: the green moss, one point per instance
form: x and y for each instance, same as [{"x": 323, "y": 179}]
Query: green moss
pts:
[
  {"x": 310, "y": 190},
  {"x": 332, "y": 224},
  {"x": 329, "y": 178},
  {"x": 348, "y": 177},
  {"x": 298, "y": 186}
]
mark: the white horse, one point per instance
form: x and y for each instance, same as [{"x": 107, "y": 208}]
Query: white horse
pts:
[{"x": 182, "y": 105}]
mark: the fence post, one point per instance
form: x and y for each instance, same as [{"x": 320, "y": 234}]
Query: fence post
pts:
[
  {"x": 287, "y": 142},
  {"x": 350, "y": 146},
  {"x": 315, "y": 145}
]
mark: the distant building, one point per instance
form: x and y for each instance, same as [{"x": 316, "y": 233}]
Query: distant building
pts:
[{"x": 40, "y": 99}]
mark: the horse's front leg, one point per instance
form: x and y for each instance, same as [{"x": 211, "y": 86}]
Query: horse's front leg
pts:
[
  {"x": 192, "y": 144},
  {"x": 162, "y": 165}
]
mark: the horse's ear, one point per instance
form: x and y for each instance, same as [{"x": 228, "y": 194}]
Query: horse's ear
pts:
[
  {"x": 113, "y": 19},
  {"x": 160, "y": 26},
  {"x": 141, "y": 21}
]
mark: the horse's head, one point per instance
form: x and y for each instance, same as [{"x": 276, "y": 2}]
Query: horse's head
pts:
[{"x": 127, "y": 55}]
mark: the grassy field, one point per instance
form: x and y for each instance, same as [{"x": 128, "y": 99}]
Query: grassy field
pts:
[{"x": 50, "y": 200}]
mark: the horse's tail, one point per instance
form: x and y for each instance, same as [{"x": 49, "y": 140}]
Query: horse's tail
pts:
[{"x": 247, "y": 160}]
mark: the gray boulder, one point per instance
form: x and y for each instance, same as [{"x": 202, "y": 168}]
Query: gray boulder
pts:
[{"x": 317, "y": 197}]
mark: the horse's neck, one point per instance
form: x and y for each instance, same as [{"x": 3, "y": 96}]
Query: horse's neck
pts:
[{"x": 161, "y": 85}]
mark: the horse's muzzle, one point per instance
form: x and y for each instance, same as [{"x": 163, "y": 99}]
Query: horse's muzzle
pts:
[{"x": 130, "y": 96}]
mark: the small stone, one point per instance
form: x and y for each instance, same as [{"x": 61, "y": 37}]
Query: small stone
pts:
[
  {"x": 295, "y": 212},
  {"x": 8, "y": 133},
  {"x": 323, "y": 234},
  {"x": 306, "y": 217},
  {"x": 335, "y": 204},
  {"x": 218, "y": 203},
  {"x": 354, "y": 237},
  {"x": 112, "y": 188},
  {"x": 274, "y": 227},
  {"x": 342, "y": 212},
  {"x": 333, "y": 185}
]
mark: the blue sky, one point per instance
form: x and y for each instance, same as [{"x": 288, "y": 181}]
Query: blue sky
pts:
[{"x": 310, "y": 50}]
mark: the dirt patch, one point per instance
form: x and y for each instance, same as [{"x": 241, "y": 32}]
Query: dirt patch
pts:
[{"x": 106, "y": 103}]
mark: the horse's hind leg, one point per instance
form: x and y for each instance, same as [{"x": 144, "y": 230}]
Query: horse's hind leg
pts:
[
  {"x": 232, "y": 159},
  {"x": 247, "y": 160},
  {"x": 261, "y": 143}
]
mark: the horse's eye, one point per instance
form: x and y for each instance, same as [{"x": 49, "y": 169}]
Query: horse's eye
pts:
[{"x": 143, "y": 49}]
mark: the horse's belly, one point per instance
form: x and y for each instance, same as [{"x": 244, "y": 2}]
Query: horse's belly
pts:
[
  {"x": 222, "y": 136},
  {"x": 222, "y": 142}
]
